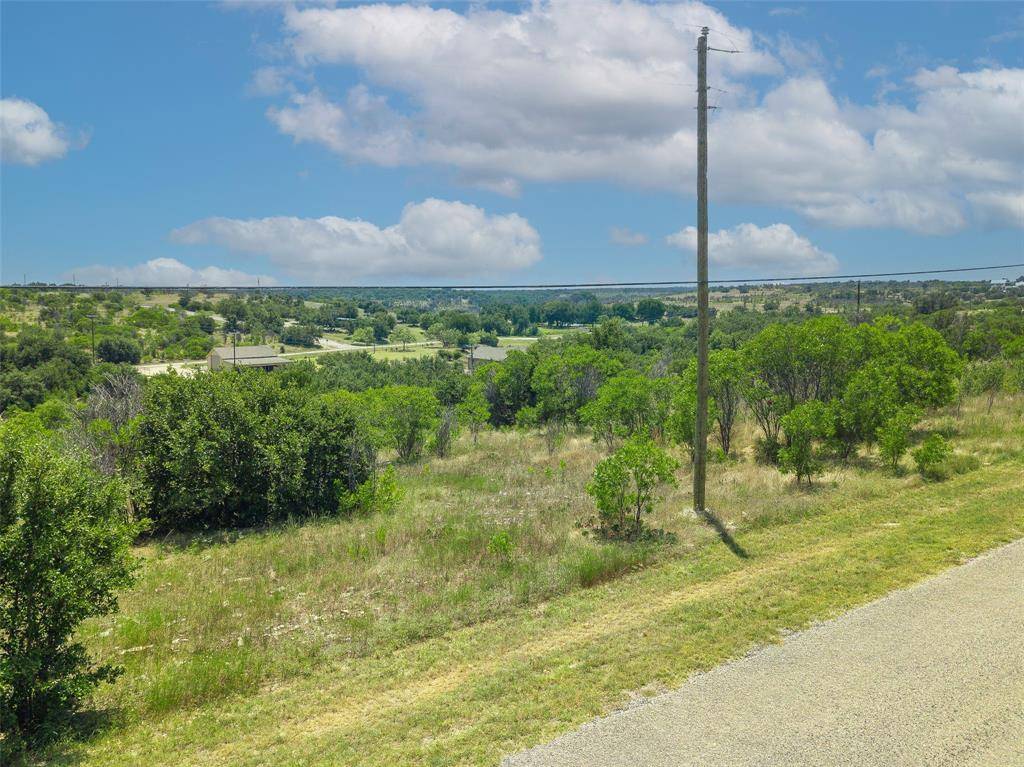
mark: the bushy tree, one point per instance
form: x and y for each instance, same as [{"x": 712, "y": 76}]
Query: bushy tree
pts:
[
  {"x": 625, "y": 486},
  {"x": 726, "y": 375},
  {"x": 300, "y": 335},
  {"x": 474, "y": 410},
  {"x": 402, "y": 335},
  {"x": 894, "y": 435},
  {"x": 988, "y": 378},
  {"x": 650, "y": 310},
  {"x": 566, "y": 380},
  {"x": 870, "y": 398},
  {"x": 507, "y": 386},
  {"x": 629, "y": 404},
  {"x": 803, "y": 426},
  {"x": 118, "y": 350},
  {"x": 930, "y": 368},
  {"x": 404, "y": 415},
  {"x": 682, "y": 420},
  {"x": 237, "y": 449},
  {"x": 64, "y": 554},
  {"x": 364, "y": 335},
  {"x": 934, "y": 451},
  {"x": 798, "y": 362}
]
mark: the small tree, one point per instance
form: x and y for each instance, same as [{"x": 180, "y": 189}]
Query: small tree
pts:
[
  {"x": 625, "y": 486},
  {"x": 934, "y": 451},
  {"x": 803, "y": 425},
  {"x": 726, "y": 373},
  {"x": 682, "y": 420},
  {"x": 404, "y": 414},
  {"x": 894, "y": 435},
  {"x": 988, "y": 378},
  {"x": 402, "y": 335},
  {"x": 445, "y": 433},
  {"x": 869, "y": 400},
  {"x": 650, "y": 310},
  {"x": 364, "y": 335},
  {"x": 64, "y": 554},
  {"x": 626, "y": 405},
  {"x": 474, "y": 410}
]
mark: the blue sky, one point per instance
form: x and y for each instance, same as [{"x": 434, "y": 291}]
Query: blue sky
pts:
[{"x": 190, "y": 142}]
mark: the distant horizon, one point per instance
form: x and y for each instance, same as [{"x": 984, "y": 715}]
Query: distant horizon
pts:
[{"x": 640, "y": 285}]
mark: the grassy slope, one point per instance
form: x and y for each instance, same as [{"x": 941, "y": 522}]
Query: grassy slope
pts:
[{"x": 468, "y": 695}]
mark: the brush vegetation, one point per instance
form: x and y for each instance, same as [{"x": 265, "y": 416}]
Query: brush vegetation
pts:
[{"x": 453, "y": 629}]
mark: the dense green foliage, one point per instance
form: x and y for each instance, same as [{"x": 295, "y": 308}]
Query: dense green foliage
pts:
[
  {"x": 118, "y": 350},
  {"x": 64, "y": 553},
  {"x": 894, "y": 435},
  {"x": 238, "y": 449},
  {"x": 402, "y": 416},
  {"x": 625, "y": 485},
  {"x": 803, "y": 426},
  {"x": 930, "y": 456}
]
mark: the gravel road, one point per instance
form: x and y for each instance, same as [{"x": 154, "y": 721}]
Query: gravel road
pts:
[{"x": 933, "y": 675}]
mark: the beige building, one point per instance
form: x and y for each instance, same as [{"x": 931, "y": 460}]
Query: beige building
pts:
[{"x": 263, "y": 357}]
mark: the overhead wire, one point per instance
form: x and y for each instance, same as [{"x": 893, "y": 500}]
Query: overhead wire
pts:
[{"x": 531, "y": 286}]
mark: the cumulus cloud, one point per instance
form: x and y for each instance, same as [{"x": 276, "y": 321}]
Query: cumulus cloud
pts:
[
  {"x": 621, "y": 235},
  {"x": 774, "y": 250},
  {"x": 159, "y": 272},
  {"x": 434, "y": 238},
  {"x": 563, "y": 91},
  {"x": 27, "y": 134}
]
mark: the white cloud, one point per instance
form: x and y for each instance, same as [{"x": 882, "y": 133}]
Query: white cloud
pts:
[
  {"x": 165, "y": 272},
  {"x": 999, "y": 208},
  {"x": 564, "y": 91},
  {"x": 270, "y": 81},
  {"x": 774, "y": 250},
  {"x": 27, "y": 135},
  {"x": 621, "y": 235},
  {"x": 433, "y": 238}
]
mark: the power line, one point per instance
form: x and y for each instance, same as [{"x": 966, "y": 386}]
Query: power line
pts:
[{"x": 523, "y": 286}]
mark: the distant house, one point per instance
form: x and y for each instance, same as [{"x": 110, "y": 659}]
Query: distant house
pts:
[
  {"x": 481, "y": 355},
  {"x": 263, "y": 357}
]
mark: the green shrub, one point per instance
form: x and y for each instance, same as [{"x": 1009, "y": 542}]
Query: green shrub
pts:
[
  {"x": 625, "y": 485},
  {"x": 931, "y": 457},
  {"x": 64, "y": 554},
  {"x": 237, "y": 449},
  {"x": 380, "y": 494},
  {"x": 445, "y": 433},
  {"x": 766, "y": 451},
  {"x": 894, "y": 435},
  {"x": 119, "y": 350},
  {"x": 501, "y": 546},
  {"x": 474, "y": 410},
  {"x": 403, "y": 415},
  {"x": 803, "y": 425}
]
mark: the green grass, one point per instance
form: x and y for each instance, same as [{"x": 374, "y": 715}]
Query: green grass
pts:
[
  {"x": 409, "y": 353},
  {"x": 410, "y": 639}
]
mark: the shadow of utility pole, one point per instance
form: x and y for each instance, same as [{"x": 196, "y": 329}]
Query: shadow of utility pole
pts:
[{"x": 724, "y": 534}]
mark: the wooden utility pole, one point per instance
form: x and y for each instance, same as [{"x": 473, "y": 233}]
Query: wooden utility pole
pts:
[{"x": 700, "y": 440}]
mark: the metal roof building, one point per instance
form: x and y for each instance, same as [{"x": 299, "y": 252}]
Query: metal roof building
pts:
[
  {"x": 264, "y": 357},
  {"x": 481, "y": 355}
]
